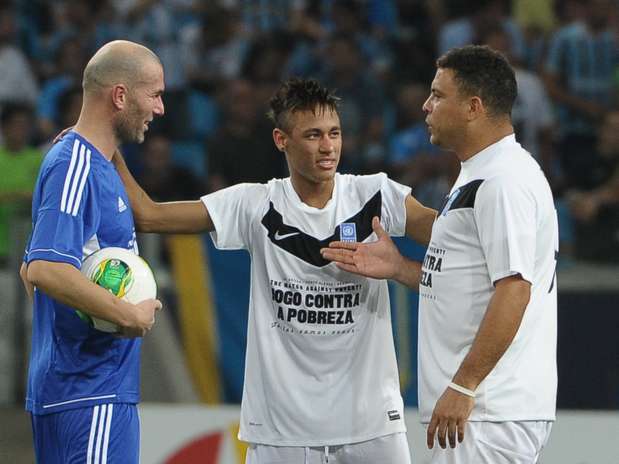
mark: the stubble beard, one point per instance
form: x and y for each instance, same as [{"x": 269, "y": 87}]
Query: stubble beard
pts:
[{"x": 129, "y": 126}]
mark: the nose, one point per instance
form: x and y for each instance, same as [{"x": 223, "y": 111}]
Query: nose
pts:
[
  {"x": 326, "y": 144},
  {"x": 159, "y": 109},
  {"x": 426, "y": 106}
]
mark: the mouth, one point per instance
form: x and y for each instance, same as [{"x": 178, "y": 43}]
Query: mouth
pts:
[{"x": 327, "y": 163}]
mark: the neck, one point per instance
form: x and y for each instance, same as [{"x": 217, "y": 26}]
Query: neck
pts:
[
  {"x": 482, "y": 138},
  {"x": 96, "y": 127},
  {"x": 314, "y": 194}
]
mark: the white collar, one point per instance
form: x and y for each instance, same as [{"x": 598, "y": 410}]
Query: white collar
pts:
[{"x": 482, "y": 158}]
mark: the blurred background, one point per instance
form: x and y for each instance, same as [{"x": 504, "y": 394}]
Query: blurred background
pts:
[{"x": 223, "y": 60}]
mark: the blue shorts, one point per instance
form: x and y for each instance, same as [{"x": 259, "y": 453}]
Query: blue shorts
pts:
[{"x": 106, "y": 433}]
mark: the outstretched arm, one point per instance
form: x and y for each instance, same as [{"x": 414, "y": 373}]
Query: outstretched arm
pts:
[
  {"x": 180, "y": 217},
  {"x": 379, "y": 260}
]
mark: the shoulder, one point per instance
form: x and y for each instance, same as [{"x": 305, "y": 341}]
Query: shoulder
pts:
[
  {"x": 516, "y": 178},
  {"x": 244, "y": 192},
  {"x": 363, "y": 182},
  {"x": 73, "y": 161}
]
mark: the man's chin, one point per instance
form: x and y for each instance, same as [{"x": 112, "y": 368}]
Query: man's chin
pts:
[{"x": 136, "y": 138}]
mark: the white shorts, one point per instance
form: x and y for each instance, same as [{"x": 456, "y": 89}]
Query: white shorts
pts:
[
  {"x": 390, "y": 449},
  {"x": 496, "y": 443}
]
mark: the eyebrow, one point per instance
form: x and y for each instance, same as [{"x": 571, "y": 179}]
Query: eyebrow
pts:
[{"x": 317, "y": 129}]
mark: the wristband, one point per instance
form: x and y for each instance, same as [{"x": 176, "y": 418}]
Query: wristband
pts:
[{"x": 461, "y": 389}]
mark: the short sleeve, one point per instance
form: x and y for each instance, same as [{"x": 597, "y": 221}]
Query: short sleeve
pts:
[
  {"x": 66, "y": 214},
  {"x": 394, "y": 197},
  {"x": 505, "y": 214},
  {"x": 231, "y": 210}
]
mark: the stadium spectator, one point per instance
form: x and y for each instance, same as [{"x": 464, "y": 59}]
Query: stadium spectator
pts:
[
  {"x": 160, "y": 177},
  {"x": 581, "y": 63},
  {"x": 241, "y": 150},
  {"x": 17, "y": 79},
  {"x": 597, "y": 210},
  {"x": 413, "y": 160},
  {"x": 19, "y": 166}
]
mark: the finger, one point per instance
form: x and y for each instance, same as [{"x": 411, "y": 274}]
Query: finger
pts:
[
  {"x": 441, "y": 432},
  {"x": 348, "y": 268},
  {"x": 159, "y": 305},
  {"x": 342, "y": 256},
  {"x": 451, "y": 433},
  {"x": 345, "y": 245},
  {"x": 378, "y": 229},
  {"x": 431, "y": 432},
  {"x": 461, "y": 427}
]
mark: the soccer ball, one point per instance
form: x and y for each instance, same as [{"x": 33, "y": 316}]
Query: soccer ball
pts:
[{"x": 124, "y": 274}]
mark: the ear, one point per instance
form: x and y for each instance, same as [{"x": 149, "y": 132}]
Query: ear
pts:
[
  {"x": 119, "y": 96},
  {"x": 280, "y": 138},
  {"x": 476, "y": 108}
]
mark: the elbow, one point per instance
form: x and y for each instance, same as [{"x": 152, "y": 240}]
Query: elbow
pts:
[
  {"x": 144, "y": 217},
  {"x": 23, "y": 272},
  {"x": 516, "y": 289},
  {"x": 34, "y": 273},
  {"x": 524, "y": 293}
]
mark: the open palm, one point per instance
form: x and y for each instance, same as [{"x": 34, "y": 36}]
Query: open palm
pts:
[{"x": 378, "y": 259}]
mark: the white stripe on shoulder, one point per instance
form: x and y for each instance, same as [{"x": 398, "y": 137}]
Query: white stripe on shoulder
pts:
[
  {"x": 76, "y": 179},
  {"x": 106, "y": 438},
  {"x": 100, "y": 434},
  {"x": 79, "y": 263},
  {"x": 78, "y": 197},
  {"x": 67, "y": 179},
  {"x": 91, "y": 437}
]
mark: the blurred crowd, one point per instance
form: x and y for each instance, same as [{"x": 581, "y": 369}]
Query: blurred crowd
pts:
[{"x": 223, "y": 60}]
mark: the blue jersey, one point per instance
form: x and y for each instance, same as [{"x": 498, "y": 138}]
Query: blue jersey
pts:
[{"x": 79, "y": 205}]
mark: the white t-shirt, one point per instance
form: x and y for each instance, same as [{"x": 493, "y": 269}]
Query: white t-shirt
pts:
[
  {"x": 499, "y": 221},
  {"x": 320, "y": 365}
]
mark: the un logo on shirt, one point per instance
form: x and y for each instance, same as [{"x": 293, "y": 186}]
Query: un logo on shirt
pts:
[{"x": 348, "y": 232}]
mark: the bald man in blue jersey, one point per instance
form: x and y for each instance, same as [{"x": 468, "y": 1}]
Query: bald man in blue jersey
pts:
[{"x": 83, "y": 384}]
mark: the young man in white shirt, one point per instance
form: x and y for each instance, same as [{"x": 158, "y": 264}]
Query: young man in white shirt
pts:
[
  {"x": 488, "y": 308},
  {"x": 321, "y": 380}
]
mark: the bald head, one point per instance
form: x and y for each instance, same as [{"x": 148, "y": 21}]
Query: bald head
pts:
[{"x": 118, "y": 62}]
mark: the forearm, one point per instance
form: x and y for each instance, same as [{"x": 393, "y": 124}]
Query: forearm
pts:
[
  {"x": 178, "y": 217},
  {"x": 70, "y": 287},
  {"x": 408, "y": 273},
  {"x": 496, "y": 332},
  {"x": 181, "y": 217},
  {"x": 419, "y": 221}
]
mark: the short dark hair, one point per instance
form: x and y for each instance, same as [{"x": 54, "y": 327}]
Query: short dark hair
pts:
[
  {"x": 299, "y": 95},
  {"x": 479, "y": 70}
]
